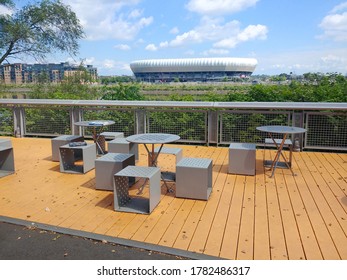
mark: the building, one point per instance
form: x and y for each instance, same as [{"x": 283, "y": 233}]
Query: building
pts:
[
  {"x": 192, "y": 69},
  {"x": 19, "y": 73}
]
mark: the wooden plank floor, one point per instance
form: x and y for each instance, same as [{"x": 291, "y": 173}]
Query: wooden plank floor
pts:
[{"x": 247, "y": 217}]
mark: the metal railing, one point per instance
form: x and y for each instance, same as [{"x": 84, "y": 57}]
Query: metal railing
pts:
[{"x": 218, "y": 123}]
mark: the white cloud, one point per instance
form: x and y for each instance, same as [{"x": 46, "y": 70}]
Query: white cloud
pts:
[
  {"x": 251, "y": 32},
  {"x": 219, "y": 7},
  {"x": 151, "y": 47},
  {"x": 114, "y": 64},
  {"x": 135, "y": 14},
  {"x": 221, "y": 35},
  {"x": 89, "y": 61},
  {"x": 122, "y": 47},
  {"x": 5, "y": 11},
  {"x": 109, "y": 19},
  {"x": 192, "y": 36},
  {"x": 334, "y": 25},
  {"x": 208, "y": 30},
  {"x": 164, "y": 44},
  {"x": 108, "y": 64},
  {"x": 190, "y": 53},
  {"x": 174, "y": 30},
  {"x": 334, "y": 60},
  {"x": 217, "y": 52},
  {"x": 338, "y": 8}
]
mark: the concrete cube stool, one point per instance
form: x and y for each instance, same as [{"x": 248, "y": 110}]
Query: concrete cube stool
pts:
[
  {"x": 242, "y": 157},
  {"x": 121, "y": 145},
  {"x": 177, "y": 152},
  {"x": 107, "y": 165},
  {"x": 70, "y": 155},
  {"x": 110, "y": 135},
  {"x": 63, "y": 140},
  {"x": 6, "y": 158},
  {"x": 136, "y": 204},
  {"x": 194, "y": 178}
]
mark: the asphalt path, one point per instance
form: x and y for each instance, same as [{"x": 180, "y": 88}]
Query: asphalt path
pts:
[{"x": 18, "y": 242}]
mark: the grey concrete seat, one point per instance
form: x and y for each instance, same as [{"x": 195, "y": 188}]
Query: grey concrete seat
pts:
[
  {"x": 107, "y": 165},
  {"x": 6, "y": 158},
  {"x": 177, "y": 152},
  {"x": 77, "y": 159},
  {"x": 121, "y": 145},
  {"x": 242, "y": 158},
  {"x": 194, "y": 178},
  {"x": 107, "y": 136},
  {"x": 63, "y": 140},
  {"x": 110, "y": 135},
  {"x": 125, "y": 202}
]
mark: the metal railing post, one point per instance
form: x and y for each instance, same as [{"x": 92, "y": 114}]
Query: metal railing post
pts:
[
  {"x": 298, "y": 121},
  {"x": 19, "y": 126},
  {"x": 76, "y": 114},
  {"x": 212, "y": 129},
  {"x": 140, "y": 121}
]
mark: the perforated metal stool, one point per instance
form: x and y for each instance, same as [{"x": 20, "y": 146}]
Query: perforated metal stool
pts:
[
  {"x": 70, "y": 155},
  {"x": 136, "y": 204},
  {"x": 194, "y": 178}
]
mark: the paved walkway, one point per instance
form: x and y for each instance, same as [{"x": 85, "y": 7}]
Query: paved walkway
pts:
[{"x": 19, "y": 242}]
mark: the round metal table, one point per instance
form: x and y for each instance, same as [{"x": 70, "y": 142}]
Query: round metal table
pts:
[
  {"x": 284, "y": 130},
  {"x": 153, "y": 139},
  {"x": 97, "y": 127}
]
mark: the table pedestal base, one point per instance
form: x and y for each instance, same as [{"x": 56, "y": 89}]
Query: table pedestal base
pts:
[
  {"x": 168, "y": 176},
  {"x": 280, "y": 164}
]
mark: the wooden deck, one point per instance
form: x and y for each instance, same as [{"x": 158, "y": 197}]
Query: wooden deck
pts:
[{"x": 246, "y": 217}]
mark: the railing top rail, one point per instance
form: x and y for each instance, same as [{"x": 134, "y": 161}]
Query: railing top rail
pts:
[
  {"x": 181, "y": 104},
  {"x": 119, "y": 103},
  {"x": 282, "y": 105}
]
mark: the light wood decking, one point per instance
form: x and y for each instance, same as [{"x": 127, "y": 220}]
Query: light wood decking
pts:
[{"x": 246, "y": 217}]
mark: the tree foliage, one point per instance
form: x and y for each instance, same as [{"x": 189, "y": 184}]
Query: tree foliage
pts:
[
  {"x": 39, "y": 29},
  {"x": 122, "y": 92}
]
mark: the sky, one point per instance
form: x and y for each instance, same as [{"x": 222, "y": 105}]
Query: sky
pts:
[{"x": 285, "y": 36}]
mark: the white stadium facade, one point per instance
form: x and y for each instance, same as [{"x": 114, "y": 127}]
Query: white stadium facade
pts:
[{"x": 192, "y": 69}]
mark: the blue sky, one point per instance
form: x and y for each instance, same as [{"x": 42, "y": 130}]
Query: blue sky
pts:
[{"x": 285, "y": 36}]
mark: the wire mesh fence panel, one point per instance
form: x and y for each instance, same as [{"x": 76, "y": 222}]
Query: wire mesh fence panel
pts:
[
  {"x": 326, "y": 124},
  {"x": 48, "y": 122},
  {"x": 326, "y": 131},
  {"x": 241, "y": 126},
  {"x": 191, "y": 126},
  {"x": 6, "y": 121},
  {"x": 124, "y": 120}
]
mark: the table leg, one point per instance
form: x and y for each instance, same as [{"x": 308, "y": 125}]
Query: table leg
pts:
[
  {"x": 278, "y": 155},
  {"x": 96, "y": 136},
  {"x": 153, "y": 162}
]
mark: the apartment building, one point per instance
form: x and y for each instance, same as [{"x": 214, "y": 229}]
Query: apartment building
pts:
[{"x": 21, "y": 73}]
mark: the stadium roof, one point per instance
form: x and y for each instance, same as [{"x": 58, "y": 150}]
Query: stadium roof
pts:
[{"x": 221, "y": 64}]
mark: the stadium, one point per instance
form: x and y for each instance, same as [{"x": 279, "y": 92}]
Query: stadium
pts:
[{"x": 192, "y": 69}]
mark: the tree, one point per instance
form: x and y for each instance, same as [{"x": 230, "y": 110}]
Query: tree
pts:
[
  {"x": 123, "y": 92},
  {"x": 39, "y": 29}
]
